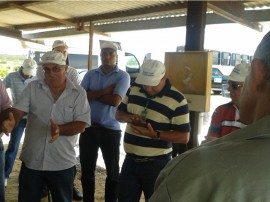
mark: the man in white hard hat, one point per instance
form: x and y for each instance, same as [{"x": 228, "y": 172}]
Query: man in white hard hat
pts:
[{"x": 16, "y": 82}]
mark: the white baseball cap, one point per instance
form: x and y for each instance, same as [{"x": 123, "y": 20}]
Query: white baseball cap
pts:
[
  {"x": 58, "y": 43},
  {"x": 29, "y": 67},
  {"x": 54, "y": 57},
  {"x": 151, "y": 73},
  {"x": 239, "y": 72},
  {"x": 110, "y": 45}
]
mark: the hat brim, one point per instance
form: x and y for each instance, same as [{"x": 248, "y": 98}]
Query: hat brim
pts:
[
  {"x": 144, "y": 80},
  {"x": 51, "y": 62},
  {"x": 30, "y": 72}
]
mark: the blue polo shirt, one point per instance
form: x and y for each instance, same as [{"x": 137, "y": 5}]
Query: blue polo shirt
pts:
[{"x": 95, "y": 79}]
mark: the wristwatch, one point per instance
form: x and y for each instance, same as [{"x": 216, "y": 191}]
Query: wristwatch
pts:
[{"x": 157, "y": 136}]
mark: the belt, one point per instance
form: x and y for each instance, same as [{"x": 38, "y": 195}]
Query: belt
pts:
[
  {"x": 96, "y": 125},
  {"x": 141, "y": 159}
]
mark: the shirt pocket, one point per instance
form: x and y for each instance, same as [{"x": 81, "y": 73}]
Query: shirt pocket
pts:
[{"x": 68, "y": 114}]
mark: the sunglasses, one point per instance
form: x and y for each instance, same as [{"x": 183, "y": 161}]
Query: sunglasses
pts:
[
  {"x": 54, "y": 69},
  {"x": 234, "y": 85}
]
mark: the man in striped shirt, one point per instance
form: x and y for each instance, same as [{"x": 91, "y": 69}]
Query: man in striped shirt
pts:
[
  {"x": 157, "y": 115},
  {"x": 225, "y": 118}
]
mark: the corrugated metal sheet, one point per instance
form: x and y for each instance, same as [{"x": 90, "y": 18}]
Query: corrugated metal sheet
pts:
[{"x": 63, "y": 10}]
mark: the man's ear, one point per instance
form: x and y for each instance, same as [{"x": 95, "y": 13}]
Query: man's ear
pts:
[{"x": 258, "y": 72}]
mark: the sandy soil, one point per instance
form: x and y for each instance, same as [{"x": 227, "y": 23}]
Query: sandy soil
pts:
[{"x": 12, "y": 188}]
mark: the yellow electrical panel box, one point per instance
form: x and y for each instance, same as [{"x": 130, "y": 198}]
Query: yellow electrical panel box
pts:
[{"x": 191, "y": 73}]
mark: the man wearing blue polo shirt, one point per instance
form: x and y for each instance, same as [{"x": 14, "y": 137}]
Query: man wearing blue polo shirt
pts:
[{"x": 105, "y": 87}]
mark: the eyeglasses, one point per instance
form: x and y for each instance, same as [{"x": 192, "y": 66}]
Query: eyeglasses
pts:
[
  {"x": 54, "y": 69},
  {"x": 234, "y": 85}
]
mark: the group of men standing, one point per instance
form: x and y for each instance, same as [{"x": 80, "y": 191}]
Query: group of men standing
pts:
[
  {"x": 55, "y": 109},
  {"x": 156, "y": 113}
]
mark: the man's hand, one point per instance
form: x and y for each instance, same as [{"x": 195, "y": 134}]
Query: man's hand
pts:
[
  {"x": 55, "y": 131},
  {"x": 8, "y": 124},
  {"x": 145, "y": 131},
  {"x": 108, "y": 90}
]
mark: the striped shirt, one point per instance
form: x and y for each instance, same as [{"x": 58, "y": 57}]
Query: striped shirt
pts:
[
  {"x": 167, "y": 111},
  {"x": 225, "y": 120}
]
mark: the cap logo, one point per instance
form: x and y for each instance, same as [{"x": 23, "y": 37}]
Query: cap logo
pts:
[
  {"x": 237, "y": 71},
  {"x": 147, "y": 73}
]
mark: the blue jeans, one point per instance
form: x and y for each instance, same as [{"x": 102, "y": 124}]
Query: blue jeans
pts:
[
  {"x": 109, "y": 142},
  {"x": 139, "y": 176},
  {"x": 2, "y": 173},
  {"x": 13, "y": 146},
  {"x": 60, "y": 184}
]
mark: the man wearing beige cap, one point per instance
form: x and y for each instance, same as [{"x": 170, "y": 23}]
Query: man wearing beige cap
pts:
[
  {"x": 225, "y": 118},
  {"x": 157, "y": 115},
  {"x": 106, "y": 87},
  {"x": 16, "y": 82},
  {"x": 234, "y": 167},
  {"x": 57, "y": 110}
]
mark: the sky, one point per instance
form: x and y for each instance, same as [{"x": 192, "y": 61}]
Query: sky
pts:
[{"x": 226, "y": 37}]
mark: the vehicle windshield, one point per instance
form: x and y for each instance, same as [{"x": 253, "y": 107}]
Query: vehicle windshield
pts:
[{"x": 216, "y": 72}]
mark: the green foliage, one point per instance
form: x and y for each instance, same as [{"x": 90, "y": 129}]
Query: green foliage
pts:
[
  {"x": 10, "y": 63},
  {"x": 3, "y": 73}
]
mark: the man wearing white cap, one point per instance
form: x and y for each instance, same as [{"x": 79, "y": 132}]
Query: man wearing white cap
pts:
[
  {"x": 157, "y": 115},
  {"x": 16, "y": 82},
  {"x": 72, "y": 75},
  {"x": 105, "y": 86},
  {"x": 62, "y": 47},
  {"x": 234, "y": 167},
  {"x": 57, "y": 110},
  {"x": 225, "y": 118}
]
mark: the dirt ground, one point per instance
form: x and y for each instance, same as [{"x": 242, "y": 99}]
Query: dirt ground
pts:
[{"x": 12, "y": 188}]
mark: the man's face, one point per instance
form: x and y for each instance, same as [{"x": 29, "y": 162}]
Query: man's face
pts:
[
  {"x": 153, "y": 90},
  {"x": 55, "y": 75},
  {"x": 62, "y": 49},
  {"x": 247, "y": 99},
  {"x": 108, "y": 57},
  {"x": 235, "y": 89}
]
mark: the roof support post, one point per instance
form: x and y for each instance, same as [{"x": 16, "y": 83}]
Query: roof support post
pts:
[
  {"x": 91, "y": 35},
  {"x": 196, "y": 18}
]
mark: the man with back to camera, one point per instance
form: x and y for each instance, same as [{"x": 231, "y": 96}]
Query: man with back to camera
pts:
[
  {"x": 5, "y": 103},
  {"x": 225, "y": 118},
  {"x": 236, "y": 166},
  {"x": 105, "y": 87},
  {"x": 16, "y": 82},
  {"x": 57, "y": 111},
  {"x": 72, "y": 75},
  {"x": 156, "y": 114}
]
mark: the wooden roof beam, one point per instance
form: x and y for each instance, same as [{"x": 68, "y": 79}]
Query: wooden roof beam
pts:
[
  {"x": 233, "y": 12},
  {"x": 78, "y": 25},
  {"x": 12, "y": 33}
]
